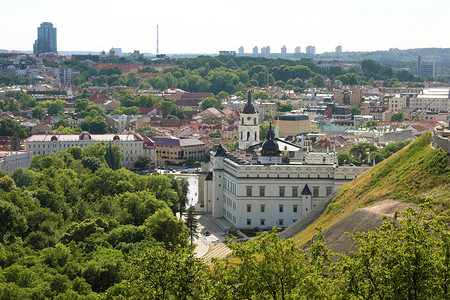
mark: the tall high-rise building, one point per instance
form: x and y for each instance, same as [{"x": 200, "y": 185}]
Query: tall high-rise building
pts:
[
  {"x": 311, "y": 50},
  {"x": 46, "y": 41},
  {"x": 339, "y": 50},
  {"x": 425, "y": 68},
  {"x": 255, "y": 50},
  {"x": 283, "y": 50},
  {"x": 298, "y": 50},
  {"x": 241, "y": 50},
  {"x": 265, "y": 50}
]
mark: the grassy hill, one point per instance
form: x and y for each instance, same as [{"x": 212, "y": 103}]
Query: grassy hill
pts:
[{"x": 412, "y": 174}]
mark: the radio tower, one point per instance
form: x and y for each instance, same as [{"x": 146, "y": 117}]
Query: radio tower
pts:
[{"x": 157, "y": 39}]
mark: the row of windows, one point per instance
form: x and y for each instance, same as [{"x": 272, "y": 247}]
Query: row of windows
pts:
[
  {"x": 262, "y": 222},
  {"x": 230, "y": 186},
  {"x": 282, "y": 191},
  {"x": 262, "y": 208},
  {"x": 230, "y": 203}
]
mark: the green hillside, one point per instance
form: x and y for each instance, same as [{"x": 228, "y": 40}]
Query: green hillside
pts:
[{"x": 412, "y": 174}]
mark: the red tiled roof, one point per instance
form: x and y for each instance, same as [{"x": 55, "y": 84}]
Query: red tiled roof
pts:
[
  {"x": 147, "y": 75},
  {"x": 188, "y": 102},
  {"x": 187, "y": 96},
  {"x": 104, "y": 65},
  {"x": 99, "y": 98}
]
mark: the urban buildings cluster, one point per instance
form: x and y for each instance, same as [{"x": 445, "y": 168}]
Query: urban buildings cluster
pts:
[{"x": 261, "y": 181}]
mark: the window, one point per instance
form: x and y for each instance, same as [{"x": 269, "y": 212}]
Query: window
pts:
[
  {"x": 280, "y": 208},
  {"x": 316, "y": 191},
  {"x": 249, "y": 191},
  {"x": 281, "y": 191},
  {"x": 329, "y": 190},
  {"x": 249, "y": 208},
  {"x": 281, "y": 222},
  {"x": 249, "y": 222},
  {"x": 262, "y": 191},
  {"x": 263, "y": 208},
  {"x": 262, "y": 222},
  {"x": 295, "y": 208},
  {"x": 234, "y": 205},
  {"x": 295, "y": 191}
]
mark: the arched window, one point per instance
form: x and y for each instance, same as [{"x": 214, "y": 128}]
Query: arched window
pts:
[
  {"x": 254, "y": 121},
  {"x": 242, "y": 121},
  {"x": 256, "y": 136},
  {"x": 242, "y": 135},
  {"x": 248, "y": 135}
]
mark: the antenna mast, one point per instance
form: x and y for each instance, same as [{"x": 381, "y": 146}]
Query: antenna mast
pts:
[{"x": 157, "y": 39}]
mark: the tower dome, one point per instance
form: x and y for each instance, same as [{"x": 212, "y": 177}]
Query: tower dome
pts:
[
  {"x": 270, "y": 147},
  {"x": 249, "y": 108}
]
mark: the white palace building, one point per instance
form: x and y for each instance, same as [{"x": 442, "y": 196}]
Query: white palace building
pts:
[
  {"x": 273, "y": 183},
  {"x": 132, "y": 144}
]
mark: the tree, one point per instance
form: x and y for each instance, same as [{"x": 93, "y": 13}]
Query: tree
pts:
[
  {"x": 161, "y": 274},
  {"x": 8, "y": 127},
  {"x": 344, "y": 157},
  {"x": 62, "y": 122},
  {"x": 38, "y": 113},
  {"x": 319, "y": 81},
  {"x": 92, "y": 163},
  {"x": 164, "y": 227},
  {"x": 15, "y": 144},
  {"x": 260, "y": 95},
  {"x": 263, "y": 128},
  {"x": 81, "y": 104},
  {"x": 222, "y": 95},
  {"x": 85, "y": 94},
  {"x": 191, "y": 223},
  {"x": 361, "y": 151},
  {"x": 406, "y": 258},
  {"x": 397, "y": 116},
  {"x": 114, "y": 156},
  {"x": 272, "y": 268},
  {"x": 56, "y": 108},
  {"x": 76, "y": 152},
  {"x": 23, "y": 177},
  {"x": 355, "y": 111},
  {"x": 12, "y": 222},
  {"x": 142, "y": 162},
  {"x": 211, "y": 102},
  {"x": 370, "y": 124}
]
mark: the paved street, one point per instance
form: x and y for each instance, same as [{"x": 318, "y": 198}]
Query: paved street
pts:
[{"x": 212, "y": 245}]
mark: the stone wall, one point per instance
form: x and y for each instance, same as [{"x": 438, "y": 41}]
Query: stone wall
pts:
[{"x": 441, "y": 138}]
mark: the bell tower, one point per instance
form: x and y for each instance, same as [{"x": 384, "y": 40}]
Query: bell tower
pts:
[{"x": 248, "y": 125}]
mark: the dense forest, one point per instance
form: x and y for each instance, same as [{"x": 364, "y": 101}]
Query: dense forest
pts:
[{"x": 237, "y": 74}]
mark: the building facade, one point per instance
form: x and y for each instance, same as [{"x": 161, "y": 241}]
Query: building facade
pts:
[
  {"x": 292, "y": 125},
  {"x": 175, "y": 151},
  {"x": 269, "y": 191},
  {"x": 11, "y": 160},
  {"x": 46, "y": 41},
  {"x": 132, "y": 145}
]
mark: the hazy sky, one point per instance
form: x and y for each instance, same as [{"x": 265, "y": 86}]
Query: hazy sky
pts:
[{"x": 207, "y": 26}]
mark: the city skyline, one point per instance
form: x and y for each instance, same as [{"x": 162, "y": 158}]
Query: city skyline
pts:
[{"x": 201, "y": 27}]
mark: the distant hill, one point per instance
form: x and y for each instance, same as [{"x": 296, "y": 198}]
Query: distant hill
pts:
[
  {"x": 411, "y": 175},
  {"x": 439, "y": 55}
]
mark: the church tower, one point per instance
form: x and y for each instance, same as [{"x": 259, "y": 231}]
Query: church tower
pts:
[{"x": 248, "y": 125}]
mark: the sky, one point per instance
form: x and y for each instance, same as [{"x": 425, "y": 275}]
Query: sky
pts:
[{"x": 208, "y": 26}]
